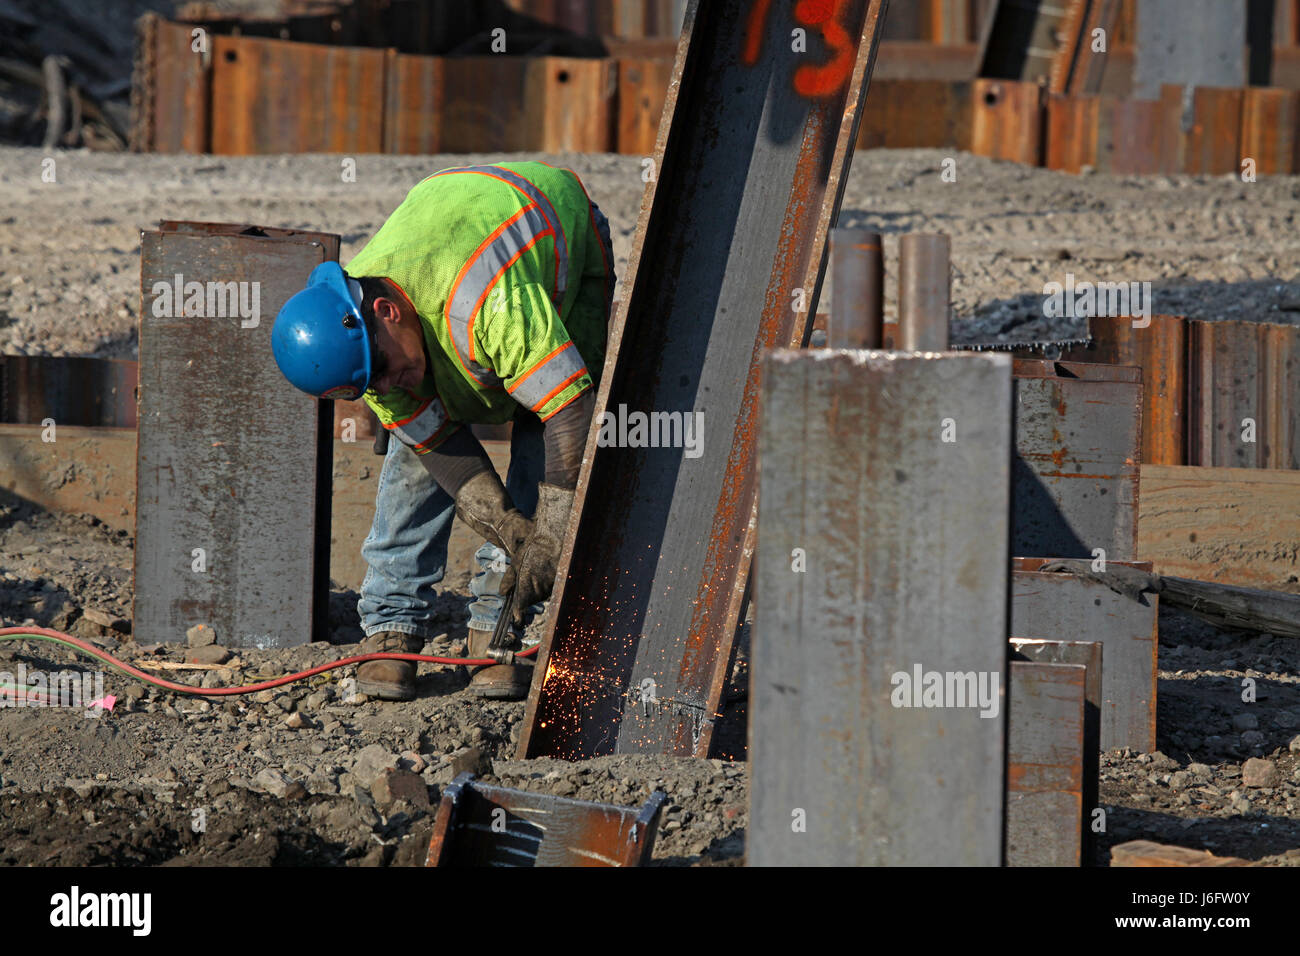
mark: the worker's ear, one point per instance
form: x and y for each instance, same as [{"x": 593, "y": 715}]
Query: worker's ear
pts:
[{"x": 386, "y": 310}]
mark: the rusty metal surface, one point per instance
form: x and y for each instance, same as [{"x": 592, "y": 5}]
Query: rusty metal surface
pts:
[
  {"x": 1048, "y": 606},
  {"x": 1078, "y": 439},
  {"x": 484, "y": 104},
  {"x": 1128, "y": 141},
  {"x": 482, "y": 825},
  {"x": 1270, "y": 130},
  {"x": 1076, "y": 68},
  {"x": 1160, "y": 351},
  {"x": 233, "y": 504},
  {"x": 1201, "y": 129},
  {"x": 1088, "y": 654},
  {"x": 1071, "y": 132},
  {"x": 171, "y": 90},
  {"x": 343, "y": 112},
  {"x": 414, "y": 90},
  {"x": 642, "y": 89},
  {"x": 1007, "y": 121},
  {"x": 902, "y": 114},
  {"x": 749, "y": 183},
  {"x": 578, "y": 114},
  {"x": 71, "y": 391},
  {"x": 1243, "y": 379},
  {"x": 882, "y": 549},
  {"x": 924, "y": 291},
  {"x": 1046, "y": 722},
  {"x": 857, "y": 289}
]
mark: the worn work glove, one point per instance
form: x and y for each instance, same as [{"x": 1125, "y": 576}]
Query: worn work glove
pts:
[
  {"x": 482, "y": 503},
  {"x": 532, "y": 571}
]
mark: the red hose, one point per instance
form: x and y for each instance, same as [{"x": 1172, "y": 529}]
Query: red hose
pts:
[{"x": 126, "y": 668}]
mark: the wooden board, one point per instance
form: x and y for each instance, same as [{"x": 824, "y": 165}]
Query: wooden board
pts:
[
  {"x": 1237, "y": 526},
  {"x": 1150, "y": 853}
]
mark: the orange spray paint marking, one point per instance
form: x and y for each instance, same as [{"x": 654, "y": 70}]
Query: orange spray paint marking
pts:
[
  {"x": 828, "y": 77},
  {"x": 754, "y": 32}
]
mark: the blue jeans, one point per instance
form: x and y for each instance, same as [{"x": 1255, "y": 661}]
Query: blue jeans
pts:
[{"x": 406, "y": 550}]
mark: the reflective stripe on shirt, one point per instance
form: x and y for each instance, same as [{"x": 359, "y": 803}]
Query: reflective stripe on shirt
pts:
[
  {"x": 419, "y": 430},
  {"x": 539, "y": 199},
  {"x": 548, "y": 377},
  {"x": 497, "y": 254}
]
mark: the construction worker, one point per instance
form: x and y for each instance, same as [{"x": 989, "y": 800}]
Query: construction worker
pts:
[{"x": 483, "y": 299}]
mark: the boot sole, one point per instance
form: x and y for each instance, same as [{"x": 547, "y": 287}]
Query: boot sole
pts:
[{"x": 386, "y": 691}]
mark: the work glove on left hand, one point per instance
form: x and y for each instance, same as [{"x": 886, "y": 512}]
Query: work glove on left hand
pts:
[{"x": 532, "y": 571}]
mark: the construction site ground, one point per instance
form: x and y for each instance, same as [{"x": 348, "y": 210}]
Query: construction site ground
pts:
[{"x": 167, "y": 780}]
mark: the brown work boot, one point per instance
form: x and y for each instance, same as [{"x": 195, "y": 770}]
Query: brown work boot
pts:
[
  {"x": 496, "y": 681},
  {"x": 389, "y": 680}
]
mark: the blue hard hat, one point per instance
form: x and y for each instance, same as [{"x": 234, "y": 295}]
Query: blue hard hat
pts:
[{"x": 320, "y": 339}]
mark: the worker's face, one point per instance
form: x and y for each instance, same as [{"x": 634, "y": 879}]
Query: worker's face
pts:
[{"x": 399, "y": 360}]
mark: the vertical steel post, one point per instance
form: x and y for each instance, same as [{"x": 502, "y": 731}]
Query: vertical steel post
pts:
[
  {"x": 923, "y": 292},
  {"x": 1045, "y": 763},
  {"x": 882, "y": 566},
  {"x": 857, "y": 290}
]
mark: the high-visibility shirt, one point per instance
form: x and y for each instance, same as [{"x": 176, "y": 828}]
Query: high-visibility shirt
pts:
[{"x": 511, "y": 281}]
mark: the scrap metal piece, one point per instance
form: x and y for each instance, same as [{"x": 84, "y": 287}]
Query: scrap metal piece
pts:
[
  {"x": 1021, "y": 852},
  {"x": 882, "y": 568},
  {"x": 482, "y": 825},
  {"x": 1243, "y": 381},
  {"x": 924, "y": 291},
  {"x": 748, "y": 184},
  {"x": 1159, "y": 349},
  {"x": 70, "y": 391},
  {"x": 1046, "y": 757},
  {"x": 1046, "y": 605},
  {"x": 233, "y": 503},
  {"x": 857, "y": 289},
  {"x": 1078, "y": 439}
]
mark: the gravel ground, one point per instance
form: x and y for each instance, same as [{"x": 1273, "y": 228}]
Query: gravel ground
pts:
[{"x": 131, "y": 786}]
